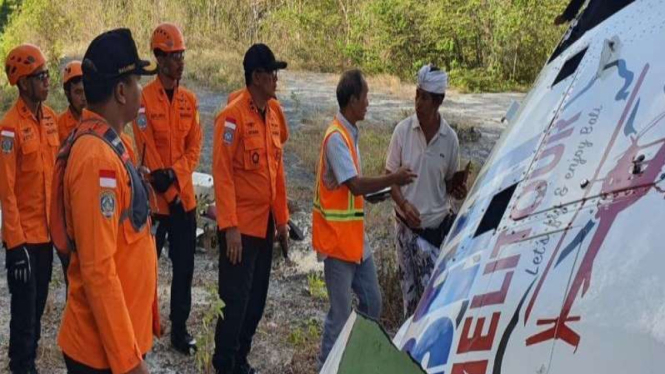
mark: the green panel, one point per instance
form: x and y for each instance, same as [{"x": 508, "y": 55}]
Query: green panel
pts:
[{"x": 369, "y": 350}]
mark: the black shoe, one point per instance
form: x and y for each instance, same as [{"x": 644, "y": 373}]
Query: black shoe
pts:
[
  {"x": 244, "y": 369},
  {"x": 185, "y": 344}
]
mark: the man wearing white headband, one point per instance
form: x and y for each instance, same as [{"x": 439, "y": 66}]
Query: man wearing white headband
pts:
[{"x": 425, "y": 143}]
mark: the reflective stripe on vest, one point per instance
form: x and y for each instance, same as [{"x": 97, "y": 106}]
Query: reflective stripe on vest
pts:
[{"x": 350, "y": 213}]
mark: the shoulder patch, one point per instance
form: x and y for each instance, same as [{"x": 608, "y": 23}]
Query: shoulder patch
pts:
[
  {"x": 7, "y": 134},
  {"x": 142, "y": 120},
  {"x": 230, "y": 126},
  {"x": 7, "y": 145},
  {"x": 107, "y": 203}
]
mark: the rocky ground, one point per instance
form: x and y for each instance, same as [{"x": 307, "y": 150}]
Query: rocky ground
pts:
[{"x": 288, "y": 336}]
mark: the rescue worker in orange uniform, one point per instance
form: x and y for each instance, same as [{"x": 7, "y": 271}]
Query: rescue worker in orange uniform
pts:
[
  {"x": 250, "y": 194},
  {"x": 72, "y": 81},
  {"x": 168, "y": 135},
  {"x": 29, "y": 145},
  {"x": 110, "y": 316}
]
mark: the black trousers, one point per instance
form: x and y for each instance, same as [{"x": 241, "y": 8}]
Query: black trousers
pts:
[
  {"x": 181, "y": 232},
  {"x": 243, "y": 288},
  {"x": 74, "y": 367},
  {"x": 64, "y": 261},
  {"x": 28, "y": 301}
]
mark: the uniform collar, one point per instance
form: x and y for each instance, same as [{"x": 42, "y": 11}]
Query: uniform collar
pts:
[
  {"x": 348, "y": 125},
  {"x": 249, "y": 102},
  {"x": 87, "y": 114},
  {"x": 23, "y": 110},
  {"x": 71, "y": 114},
  {"x": 443, "y": 125},
  {"x": 162, "y": 91}
]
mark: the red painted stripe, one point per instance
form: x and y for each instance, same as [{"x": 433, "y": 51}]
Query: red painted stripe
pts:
[{"x": 232, "y": 120}]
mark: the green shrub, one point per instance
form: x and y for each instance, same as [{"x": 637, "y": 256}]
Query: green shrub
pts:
[{"x": 487, "y": 44}]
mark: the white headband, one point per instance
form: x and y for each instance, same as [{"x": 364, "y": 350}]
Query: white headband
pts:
[{"x": 432, "y": 81}]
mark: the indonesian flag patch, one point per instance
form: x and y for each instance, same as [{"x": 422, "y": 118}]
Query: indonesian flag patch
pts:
[
  {"x": 107, "y": 179},
  {"x": 229, "y": 130},
  {"x": 7, "y": 134}
]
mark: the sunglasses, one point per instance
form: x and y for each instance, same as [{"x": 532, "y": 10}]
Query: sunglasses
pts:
[
  {"x": 176, "y": 56},
  {"x": 41, "y": 76}
]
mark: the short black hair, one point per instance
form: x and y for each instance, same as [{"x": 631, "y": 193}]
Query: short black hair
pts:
[
  {"x": 158, "y": 52},
  {"x": 351, "y": 84},
  {"x": 67, "y": 86},
  {"x": 98, "y": 92}
]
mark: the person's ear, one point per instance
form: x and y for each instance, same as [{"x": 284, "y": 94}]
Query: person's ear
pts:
[
  {"x": 162, "y": 62},
  {"x": 353, "y": 100},
  {"x": 23, "y": 83},
  {"x": 120, "y": 92},
  {"x": 256, "y": 77}
]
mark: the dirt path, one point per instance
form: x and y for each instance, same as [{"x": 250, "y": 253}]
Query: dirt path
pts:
[{"x": 288, "y": 335}]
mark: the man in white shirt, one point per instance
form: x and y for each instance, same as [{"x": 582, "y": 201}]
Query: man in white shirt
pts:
[{"x": 425, "y": 143}]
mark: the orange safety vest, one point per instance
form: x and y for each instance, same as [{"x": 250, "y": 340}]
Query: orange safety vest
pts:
[{"x": 337, "y": 222}]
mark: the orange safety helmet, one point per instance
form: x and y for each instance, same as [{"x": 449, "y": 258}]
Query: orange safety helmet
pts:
[
  {"x": 22, "y": 61},
  {"x": 72, "y": 70},
  {"x": 167, "y": 38}
]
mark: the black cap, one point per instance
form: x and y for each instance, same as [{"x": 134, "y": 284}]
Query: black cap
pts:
[
  {"x": 111, "y": 55},
  {"x": 259, "y": 56}
]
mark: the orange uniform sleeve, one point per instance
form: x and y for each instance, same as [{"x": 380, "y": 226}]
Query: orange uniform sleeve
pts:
[
  {"x": 281, "y": 205},
  {"x": 184, "y": 167},
  {"x": 62, "y": 127},
  {"x": 225, "y": 143},
  {"x": 11, "y": 220},
  {"x": 283, "y": 125},
  {"x": 147, "y": 150},
  {"x": 95, "y": 227}
]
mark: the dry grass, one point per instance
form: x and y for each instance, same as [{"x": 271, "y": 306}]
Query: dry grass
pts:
[
  {"x": 391, "y": 85},
  {"x": 215, "y": 69}
]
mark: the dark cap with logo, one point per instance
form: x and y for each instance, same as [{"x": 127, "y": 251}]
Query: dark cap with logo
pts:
[
  {"x": 260, "y": 57},
  {"x": 111, "y": 55}
]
